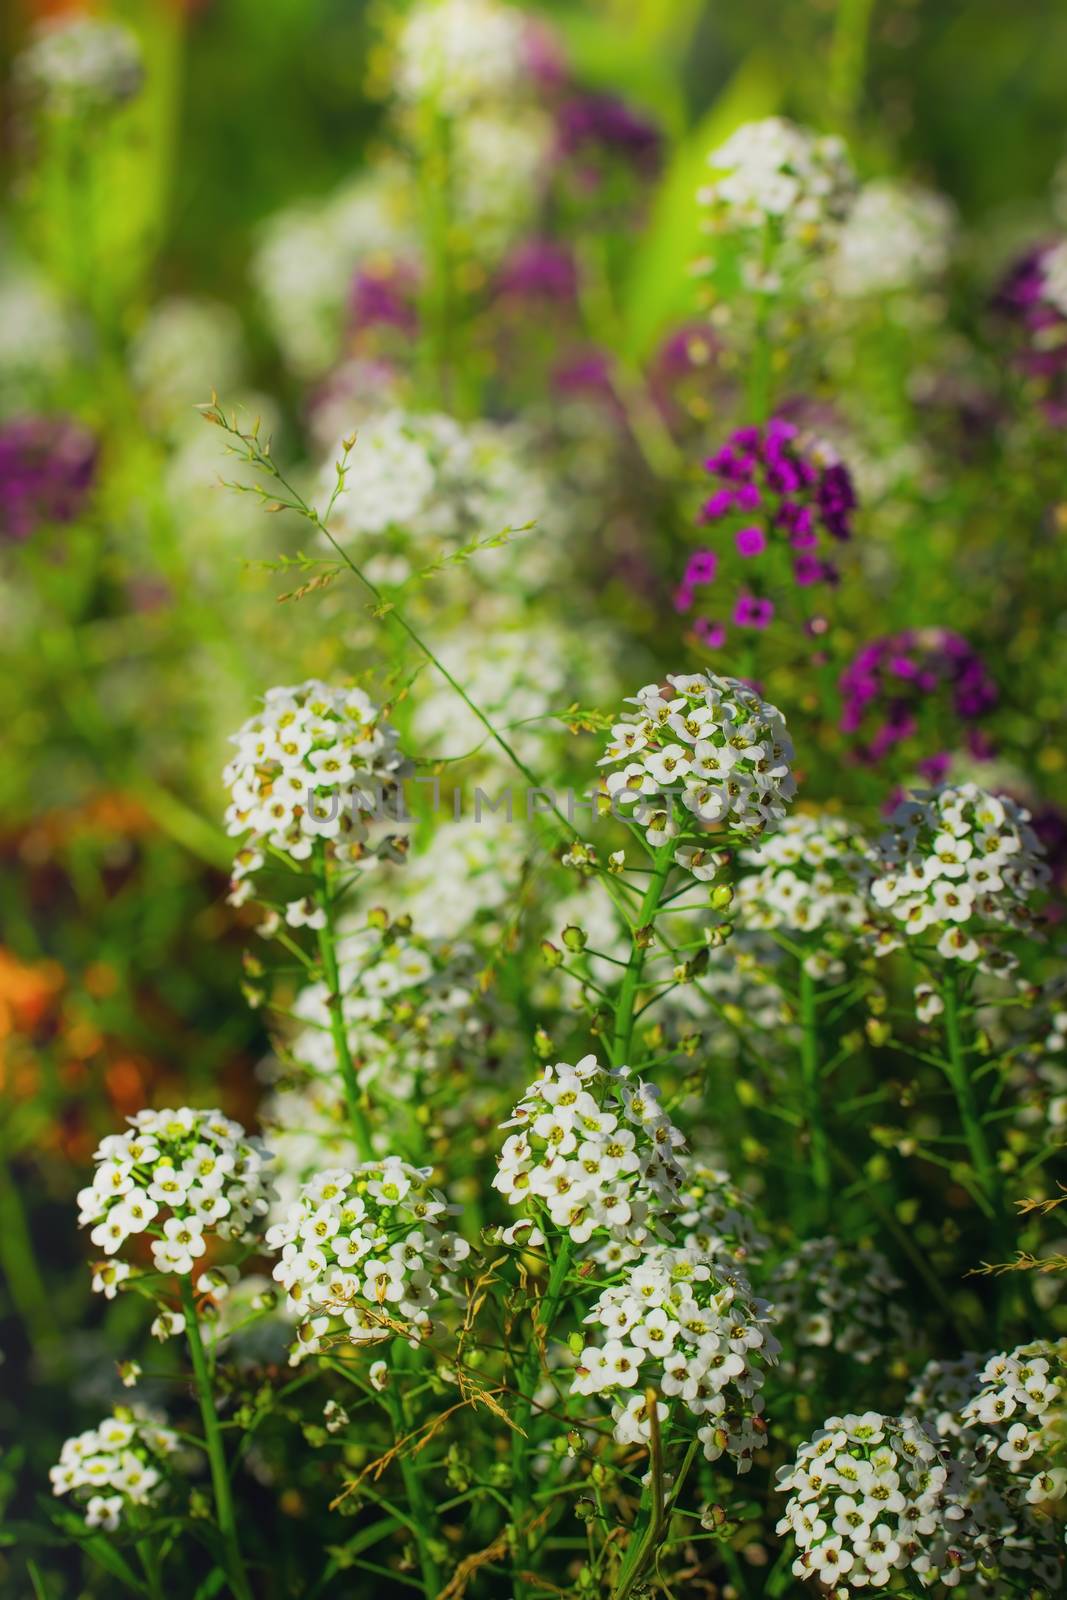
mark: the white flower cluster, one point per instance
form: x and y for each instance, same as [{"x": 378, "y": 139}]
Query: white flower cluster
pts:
[
  {"x": 316, "y": 763},
  {"x": 183, "y": 350},
  {"x": 955, "y": 861},
  {"x": 809, "y": 876},
  {"x": 844, "y": 1298},
  {"x": 776, "y": 173},
  {"x": 431, "y": 483},
  {"x": 363, "y": 1254},
  {"x": 1054, "y": 276},
  {"x": 712, "y": 742},
  {"x": 715, "y": 1217},
  {"x": 118, "y": 1464},
  {"x": 78, "y": 63},
  {"x": 307, "y": 257},
  {"x": 460, "y": 880},
  {"x": 500, "y": 161},
  {"x": 896, "y": 236},
  {"x": 1005, "y": 1419},
  {"x": 408, "y": 1004},
  {"x": 456, "y": 54},
  {"x": 689, "y": 1327},
  {"x": 1023, "y": 1398},
  {"x": 517, "y": 673},
  {"x": 596, "y": 1151},
  {"x": 177, "y": 1176},
  {"x": 871, "y": 1496}
]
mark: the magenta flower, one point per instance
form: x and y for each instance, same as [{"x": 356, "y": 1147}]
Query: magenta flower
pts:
[
  {"x": 750, "y": 541},
  {"x": 753, "y": 612},
  {"x": 894, "y": 680},
  {"x": 47, "y": 467}
]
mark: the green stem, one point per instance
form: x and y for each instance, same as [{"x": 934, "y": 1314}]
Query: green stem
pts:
[
  {"x": 641, "y": 1552},
  {"x": 423, "y": 1514},
  {"x": 526, "y": 1382},
  {"x": 220, "y": 1478},
  {"x": 335, "y": 1005},
  {"x": 622, "y": 1037},
  {"x": 848, "y": 59},
  {"x": 811, "y": 1095},
  {"x": 959, "y": 1077}
]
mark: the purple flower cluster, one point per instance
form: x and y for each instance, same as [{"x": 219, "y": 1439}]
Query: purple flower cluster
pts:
[
  {"x": 47, "y": 466},
  {"x": 776, "y": 490},
  {"x": 885, "y": 688},
  {"x": 539, "y": 269},
  {"x": 384, "y": 297},
  {"x": 594, "y": 128},
  {"x": 1042, "y": 328}
]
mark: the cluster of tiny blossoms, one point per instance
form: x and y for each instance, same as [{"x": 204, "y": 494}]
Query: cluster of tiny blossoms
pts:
[
  {"x": 809, "y": 877},
  {"x": 363, "y": 1254},
  {"x": 315, "y": 764},
  {"x": 456, "y": 54},
  {"x": 871, "y": 1496},
  {"x": 114, "y": 1466},
  {"x": 715, "y": 744},
  {"x": 777, "y": 489},
  {"x": 595, "y": 1150},
  {"x": 689, "y": 1327},
  {"x": 844, "y": 1298},
  {"x": 775, "y": 174},
  {"x": 957, "y": 862},
  {"x": 896, "y": 236},
  {"x": 80, "y": 64},
  {"x": 1022, "y": 1400},
  {"x": 177, "y": 1176},
  {"x": 1004, "y": 1419}
]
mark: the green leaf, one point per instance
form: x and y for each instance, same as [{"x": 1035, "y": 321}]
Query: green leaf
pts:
[
  {"x": 97, "y": 1547},
  {"x": 659, "y": 286},
  {"x": 213, "y": 1584}
]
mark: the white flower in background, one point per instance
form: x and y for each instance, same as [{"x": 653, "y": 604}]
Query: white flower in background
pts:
[
  {"x": 896, "y": 236},
  {"x": 774, "y": 173},
  {"x": 808, "y": 877},
  {"x": 119, "y": 1464},
  {"x": 500, "y": 159},
  {"x": 76, "y": 63},
  {"x": 518, "y": 672},
  {"x": 596, "y": 1151},
  {"x": 1054, "y": 273},
  {"x": 715, "y": 1217},
  {"x": 318, "y": 762},
  {"x": 411, "y": 1008},
  {"x": 461, "y": 880},
  {"x": 179, "y": 1177},
  {"x": 940, "y": 1392},
  {"x": 182, "y": 351},
  {"x": 871, "y": 1496},
  {"x": 956, "y": 865},
  {"x": 841, "y": 1298},
  {"x": 457, "y": 54},
  {"x": 689, "y": 1327},
  {"x": 35, "y": 332},
  {"x": 364, "y": 1255},
  {"x": 1022, "y": 1401},
  {"x": 307, "y": 257},
  {"x": 432, "y": 485},
  {"x": 707, "y": 746}
]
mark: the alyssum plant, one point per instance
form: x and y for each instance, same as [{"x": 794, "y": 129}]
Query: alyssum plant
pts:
[{"x": 566, "y": 1357}]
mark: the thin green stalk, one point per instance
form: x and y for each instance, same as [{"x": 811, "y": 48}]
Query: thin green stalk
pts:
[
  {"x": 622, "y": 1037},
  {"x": 423, "y": 1514},
  {"x": 335, "y": 1005},
  {"x": 220, "y": 1478},
  {"x": 526, "y": 1382},
  {"x": 958, "y": 1074},
  {"x": 642, "y": 1551},
  {"x": 848, "y": 59},
  {"x": 811, "y": 1095}
]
